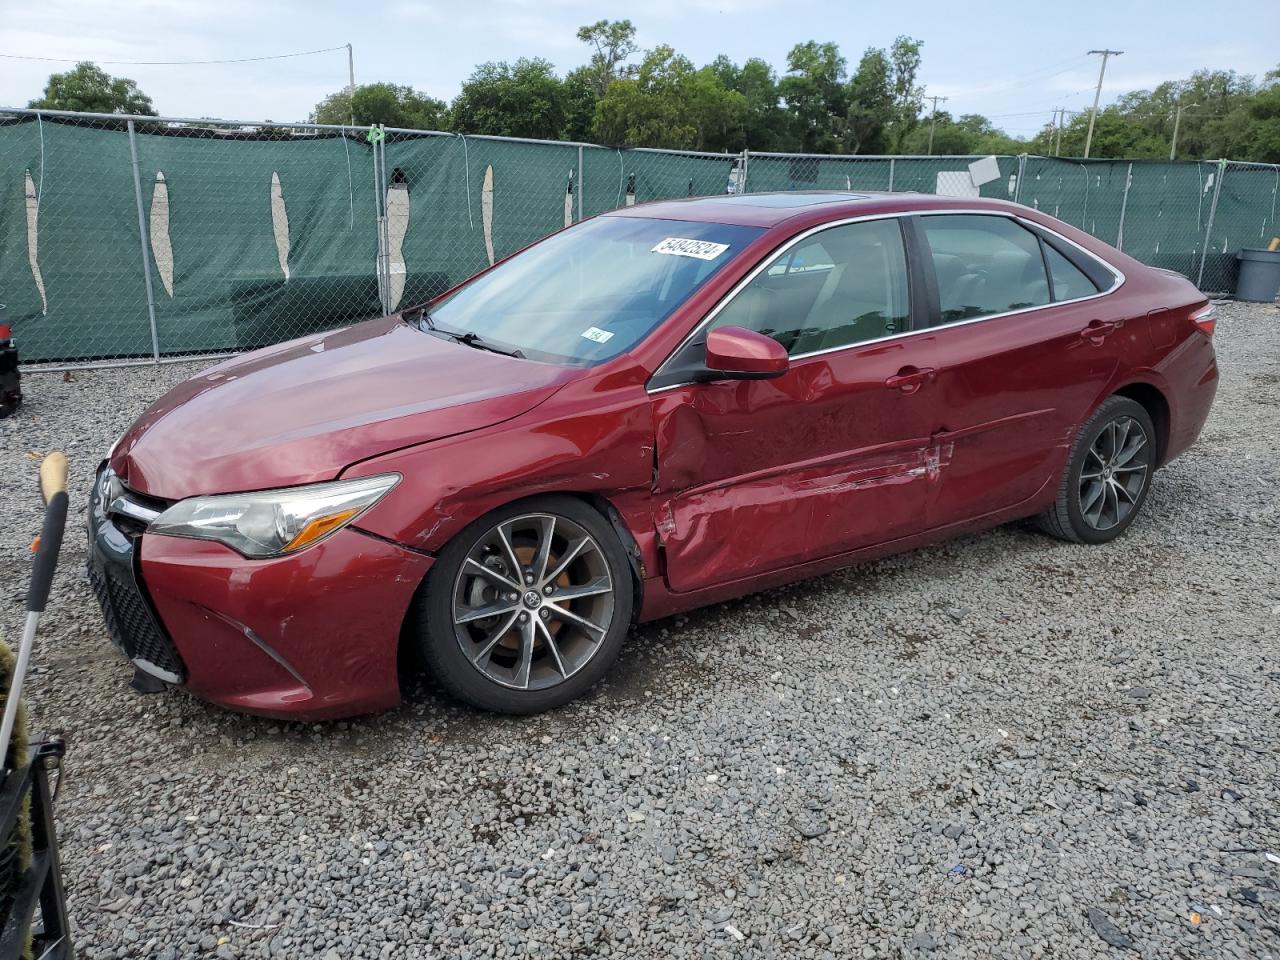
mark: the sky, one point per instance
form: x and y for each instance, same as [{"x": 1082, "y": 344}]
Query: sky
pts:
[{"x": 1010, "y": 61}]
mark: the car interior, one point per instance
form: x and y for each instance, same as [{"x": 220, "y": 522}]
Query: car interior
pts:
[{"x": 845, "y": 285}]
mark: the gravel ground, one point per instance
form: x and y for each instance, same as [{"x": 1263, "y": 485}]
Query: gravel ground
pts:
[{"x": 1003, "y": 746}]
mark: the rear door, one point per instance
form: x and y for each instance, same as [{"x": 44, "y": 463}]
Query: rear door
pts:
[
  {"x": 758, "y": 475},
  {"x": 1023, "y": 345}
]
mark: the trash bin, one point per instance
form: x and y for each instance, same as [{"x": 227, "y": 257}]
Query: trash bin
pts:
[{"x": 1259, "y": 275}]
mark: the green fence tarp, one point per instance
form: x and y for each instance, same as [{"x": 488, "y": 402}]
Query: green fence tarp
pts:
[{"x": 448, "y": 206}]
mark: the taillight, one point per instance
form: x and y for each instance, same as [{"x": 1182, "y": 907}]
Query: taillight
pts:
[{"x": 1206, "y": 319}]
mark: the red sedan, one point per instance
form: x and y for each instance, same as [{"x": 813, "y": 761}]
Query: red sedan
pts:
[{"x": 656, "y": 409}]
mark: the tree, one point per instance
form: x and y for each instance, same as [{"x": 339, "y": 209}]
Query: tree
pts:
[
  {"x": 614, "y": 42},
  {"x": 669, "y": 103},
  {"x": 1252, "y": 130},
  {"x": 89, "y": 88},
  {"x": 386, "y": 103},
  {"x": 524, "y": 99},
  {"x": 870, "y": 104},
  {"x": 908, "y": 96},
  {"x": 579, "y": 104},
  {"x": 972, "y": 133},
  {"x": 764, "y": 123},
  {"x": 814, "y": 90},
  {"x": 1224, "y": 114}
]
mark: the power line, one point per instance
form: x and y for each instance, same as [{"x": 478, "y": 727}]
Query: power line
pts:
[{"x": 171, "y": 63}]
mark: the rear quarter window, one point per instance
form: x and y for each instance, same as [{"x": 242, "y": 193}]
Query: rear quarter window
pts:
[{"x": 1069, "y": 281}]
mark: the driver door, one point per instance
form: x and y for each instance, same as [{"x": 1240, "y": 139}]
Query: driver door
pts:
[{"x": 754, "y": 476}]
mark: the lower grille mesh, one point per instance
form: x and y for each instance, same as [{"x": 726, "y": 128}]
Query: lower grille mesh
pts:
[{"x": 130, "y": 622}]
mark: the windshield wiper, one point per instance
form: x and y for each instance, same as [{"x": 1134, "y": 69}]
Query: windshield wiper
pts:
[
  {"x": 424, "y": 322},
  {"x": 480, "y": 343}
]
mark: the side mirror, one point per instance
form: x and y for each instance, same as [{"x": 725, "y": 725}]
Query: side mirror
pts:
[{"x": 736, "y": 353}]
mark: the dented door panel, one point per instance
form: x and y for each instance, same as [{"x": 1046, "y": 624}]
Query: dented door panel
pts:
[
  {"x": 753, "y": 476},
  {"x": 1011, "y": 393}
]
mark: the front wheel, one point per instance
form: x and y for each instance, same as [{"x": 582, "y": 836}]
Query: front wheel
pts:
[
  {"x": 527, "y": 607},
  {"x": 1108, "y": 474}
]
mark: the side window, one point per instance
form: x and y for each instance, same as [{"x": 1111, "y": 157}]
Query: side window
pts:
[
  {"x": 839, "y": 287},
  {"x": 1069, "y": 283},
  {"x": 984, "y": 265}
]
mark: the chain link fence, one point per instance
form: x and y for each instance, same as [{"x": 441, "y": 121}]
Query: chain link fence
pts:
[{"x": 141, "y": 239}]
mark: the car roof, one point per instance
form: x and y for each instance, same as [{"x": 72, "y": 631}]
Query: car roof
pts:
[{"x": 775, "y": 209}]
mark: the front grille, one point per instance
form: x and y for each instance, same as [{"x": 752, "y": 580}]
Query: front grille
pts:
[{"x": 130, "y": 622}]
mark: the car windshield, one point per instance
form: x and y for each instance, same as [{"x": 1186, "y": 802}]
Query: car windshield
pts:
[{"x": 590, "y": 292}]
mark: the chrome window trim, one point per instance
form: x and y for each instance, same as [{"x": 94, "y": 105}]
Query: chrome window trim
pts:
[{"x": 724, "y": 301}]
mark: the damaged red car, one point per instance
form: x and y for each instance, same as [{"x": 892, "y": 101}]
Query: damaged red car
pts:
[{"x": 655, "y": 409}]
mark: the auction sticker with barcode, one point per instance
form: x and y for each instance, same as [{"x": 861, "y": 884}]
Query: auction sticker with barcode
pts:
[
  {"x": 698, "y": 249},
  {"x": 598, "y": 335}
]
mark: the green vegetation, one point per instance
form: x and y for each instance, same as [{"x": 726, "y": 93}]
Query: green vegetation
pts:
[
  {"x": 623, "y": 96},
  {"x": 1224, "y": 114},
  {"x": 90, "y": 89},
  {"x": 384, "y": 103}
]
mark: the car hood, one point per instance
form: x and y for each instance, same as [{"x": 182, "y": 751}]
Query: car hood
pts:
[{"x": 302, "y": 411}]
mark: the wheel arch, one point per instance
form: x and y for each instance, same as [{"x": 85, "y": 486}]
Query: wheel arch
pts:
[
  {"x": 601, "y": 504},
  {"x": 1153, "y": 400}
]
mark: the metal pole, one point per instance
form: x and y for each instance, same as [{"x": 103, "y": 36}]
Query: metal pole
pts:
[
  {"x": 1208, "y": 230},
  {"x": 351, "y": 83},
  {"x": 1124, "y": 205},
  {"x": 142, "y": 243},
  {"x": 891, "y": 174},
  {"x": 933, "y": 119},
  {"x": 1097, "y": 94},
  {"x": 378, "y": 200},
  {"x": 746, "y": 154},
  {"x": 1017, "y": 184},
  {"x": 385, "y": 237},
  {"x": 581, "y": 180},
  {"x": 1177, "y": 122}
]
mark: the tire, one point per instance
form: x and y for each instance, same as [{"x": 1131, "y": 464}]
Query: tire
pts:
[
  {"x": 1103, "y": 488},
  {"x": 571, "y": 619}
]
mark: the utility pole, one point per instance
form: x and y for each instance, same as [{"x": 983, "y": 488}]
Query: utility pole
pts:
[
  {"x": 351, "y": 83},
  {"x": 1097, "y": 94},
  {"x": 933, "y": 119},
  {"x": 1062, "y": 122},
  {"x": 1177, "y": 121}
]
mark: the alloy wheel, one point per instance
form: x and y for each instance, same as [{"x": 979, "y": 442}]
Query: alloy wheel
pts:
[
  {"x": 533, "y": 601},
  {"x": 1114, "y": 473}
]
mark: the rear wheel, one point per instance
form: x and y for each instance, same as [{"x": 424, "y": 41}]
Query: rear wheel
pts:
[
  {"x": 527, "y": 607},
  {"x": 1108, "y": 474}
]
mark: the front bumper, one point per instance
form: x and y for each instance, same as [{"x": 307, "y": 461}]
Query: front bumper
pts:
[{"x": 310, "y": 636}]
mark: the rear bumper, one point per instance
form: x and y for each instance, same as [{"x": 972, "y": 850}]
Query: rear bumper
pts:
[
  {"x": 1193, "y": 380},
  {"x": 306, "y": 637}
]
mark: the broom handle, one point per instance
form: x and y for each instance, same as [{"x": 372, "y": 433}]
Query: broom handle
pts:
[{"x": 53, "y": 487}]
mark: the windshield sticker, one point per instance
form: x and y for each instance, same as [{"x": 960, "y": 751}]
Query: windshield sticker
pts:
[
  {"x": 698, "y": 249},
  {"x": 598, "y": 335}
]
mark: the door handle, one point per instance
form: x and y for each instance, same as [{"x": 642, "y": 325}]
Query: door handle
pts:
[
  {"x": 911, "y": 379},
  {"x": 1098, "y": 330}
]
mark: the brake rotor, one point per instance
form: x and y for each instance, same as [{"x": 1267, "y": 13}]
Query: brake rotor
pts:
[{"x": 482, "y": 593}]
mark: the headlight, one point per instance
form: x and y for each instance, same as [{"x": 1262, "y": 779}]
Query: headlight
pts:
[{"x": 274, "y": 522}]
